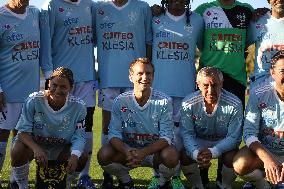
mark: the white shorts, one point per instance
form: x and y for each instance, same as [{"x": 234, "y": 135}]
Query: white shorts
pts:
[
  {"x": 10, "y": 116},
  {"x": 177, "y": 101},
  {"x": 107, "y": 96},
  {"x": 86, "y": 91}
]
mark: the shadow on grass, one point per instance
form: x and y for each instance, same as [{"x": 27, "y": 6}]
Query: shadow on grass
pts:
[{"x": 139, "y": 184}]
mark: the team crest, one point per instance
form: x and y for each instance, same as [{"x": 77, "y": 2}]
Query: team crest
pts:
[
  {"x": 208, "y": 13},
  {"x": 258, "y": 26},
  {"x": 262, "y": 105},
  {"x": 7, "y": 26},
  {"x": 123, "y": 109}
]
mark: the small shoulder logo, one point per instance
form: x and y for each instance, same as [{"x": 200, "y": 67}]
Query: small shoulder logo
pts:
[
  {"x": 61, "y": 9},
  {"x": 208, "y": 13},
  {"x": 7, "y": 26},
  {"x": 101, "y": 12},
  {"x": 123, "y": 109},
  {"x": 157, "y": 21},
  {"x": 262, "y": 105}
]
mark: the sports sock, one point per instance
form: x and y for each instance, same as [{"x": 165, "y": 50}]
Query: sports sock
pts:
[
  {"x": 192, "y": 173},
  {"x": 119, "y": 170},
  {"x": 166, "y": 173},
  {"x": 21, "y": 175},
  {"x": 88, "y": 149},
  {"x": 228, "y": 177},
  {"x": 257, "y": 178}
]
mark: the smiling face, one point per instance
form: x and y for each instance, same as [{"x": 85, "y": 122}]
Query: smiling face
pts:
[
  {"x": 59, "y": 88},
  {"x": 210, "y": 88},
  {"x": 277, "y": 73},
  {"x": 277, "y": 7},
  {"x": 142, "y": 77}
]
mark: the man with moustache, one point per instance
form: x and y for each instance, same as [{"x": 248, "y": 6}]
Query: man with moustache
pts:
[
  {"x": 263, "y": 132},
  {"x": 182, "y": 29}
]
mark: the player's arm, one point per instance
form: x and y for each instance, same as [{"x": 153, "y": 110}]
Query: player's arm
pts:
[
  {"x": 148, "y": 30},
  {"x": 234, "y": 135},
  {"x": 187, "y": 131},
  {"x": 25, "y": 128},
  {"x": 200, "y": 33},
  {"x": 251, "y": 130}
]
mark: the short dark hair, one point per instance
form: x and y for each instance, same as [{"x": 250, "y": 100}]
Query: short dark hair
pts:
[
  {"x": 141, "y": 61},
  {"x": 65, "y": 73},
  {"x": 277, "y": 56}
]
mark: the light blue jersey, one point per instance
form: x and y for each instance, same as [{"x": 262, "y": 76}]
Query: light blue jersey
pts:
[
  {"x": 264, "y": 119},
  {"x": 70, "y": 33},
  {"x": 266, "y": 35},
  {"x": 173, "y": 54},
  {"x": 19, "y": 53},
  {"x": 223, "y": 125},
  {"x": 55, "y": 128},
  {"x": 122, "y": 35},
  {"x": 140, "y": 126}
]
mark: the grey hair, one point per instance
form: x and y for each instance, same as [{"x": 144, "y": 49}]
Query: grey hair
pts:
[{"x": 209, "y": 72}]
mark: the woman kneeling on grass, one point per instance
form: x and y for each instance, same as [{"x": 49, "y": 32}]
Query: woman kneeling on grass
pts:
[{"x": 51, "y": 127}]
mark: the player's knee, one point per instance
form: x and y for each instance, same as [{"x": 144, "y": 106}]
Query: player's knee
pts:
[
  {"x": 104, "y": 155},
  {"x": 170, "y": 157},
  {"x": 241, "y": 164},
  {"x": 16, "y": 159},
  {"x": 228, "y": 157},
  {"x": 89, "y": 119}
]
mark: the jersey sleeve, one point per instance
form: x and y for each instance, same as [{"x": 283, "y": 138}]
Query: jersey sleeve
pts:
[
  {"x": 166, "y": 122},
  {"x": 25, "y": 123},
  {"x": 45, "y": 45},
  {"x": 187, "y": 130},
  {"x": 252, "y": 120},
  {"x": 148, "y": 24},
  {"x": 78, "y": 139},
  {"x": 234, "y": 135},
  {"x": 115, "y": 126}
]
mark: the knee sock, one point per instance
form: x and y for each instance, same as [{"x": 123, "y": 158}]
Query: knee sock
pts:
[
  {"x": 166, "y": 173},
  {"x": 257, "y": 178},
  {"x": 228, "y": 177},
  {"x": 21, "y": 175},
  {"x": 118, "y": 170},
  {"x": 192, "y": 173},
  {"x": 88, "y": 149},
  {"x": 3, "y": 146}
]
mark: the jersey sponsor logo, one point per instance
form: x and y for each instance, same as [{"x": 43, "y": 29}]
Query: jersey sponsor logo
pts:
[
  {"x": 118, "y": 41},
  {"x": 141, "y": 136},
  {"x": 273, "y": 133},
  {"x": 26, "y": 51},
  {"x": 3, "y": 116},
  {"x": 172, "y": 51},
  {"x": 70, "y": 21},
  {"x": 15, "y": 37},
  {"x": 242, "y": 20},
  {"x": 106, "y": 25},
  {"x": 49, "y": 140},
  {"x": 227, "y": 43},
  {"x": 81, "y": 35},
  {"x": 163, "y": 34}
]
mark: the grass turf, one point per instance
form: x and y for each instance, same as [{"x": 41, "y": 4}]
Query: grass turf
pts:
[{"x": 141, "y": 176}]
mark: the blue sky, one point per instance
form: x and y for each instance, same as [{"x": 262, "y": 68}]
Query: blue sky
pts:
[{"x": 254, "y": 3}]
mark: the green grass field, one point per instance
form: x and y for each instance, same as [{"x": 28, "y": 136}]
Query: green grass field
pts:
[{"x": 141, "y": 176}]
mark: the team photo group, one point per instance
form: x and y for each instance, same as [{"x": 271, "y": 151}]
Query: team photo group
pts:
[{"x": 171, "y": 83}]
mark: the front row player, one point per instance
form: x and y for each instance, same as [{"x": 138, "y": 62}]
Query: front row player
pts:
[
  {"x": 141, "y": 130},
  {"x": 51, "y": 127},
  {"x": 263, "y": 155},
  {"x": 211, "y": 127}
]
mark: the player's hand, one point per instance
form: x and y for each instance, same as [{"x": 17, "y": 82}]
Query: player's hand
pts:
[
  {"x": 156, "y": 10},
  {"x": 72, "y": 164},
  {"x": 40, "y": 157},
  {"x": 2, "y": 102},
  {"x": 259, "y": 12},
  {"x": 281, "y": 178},
  {"x": 272, "y": 170},
  {"x": 64, "y": 154},
  {"x": 204, "y": 158}
]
